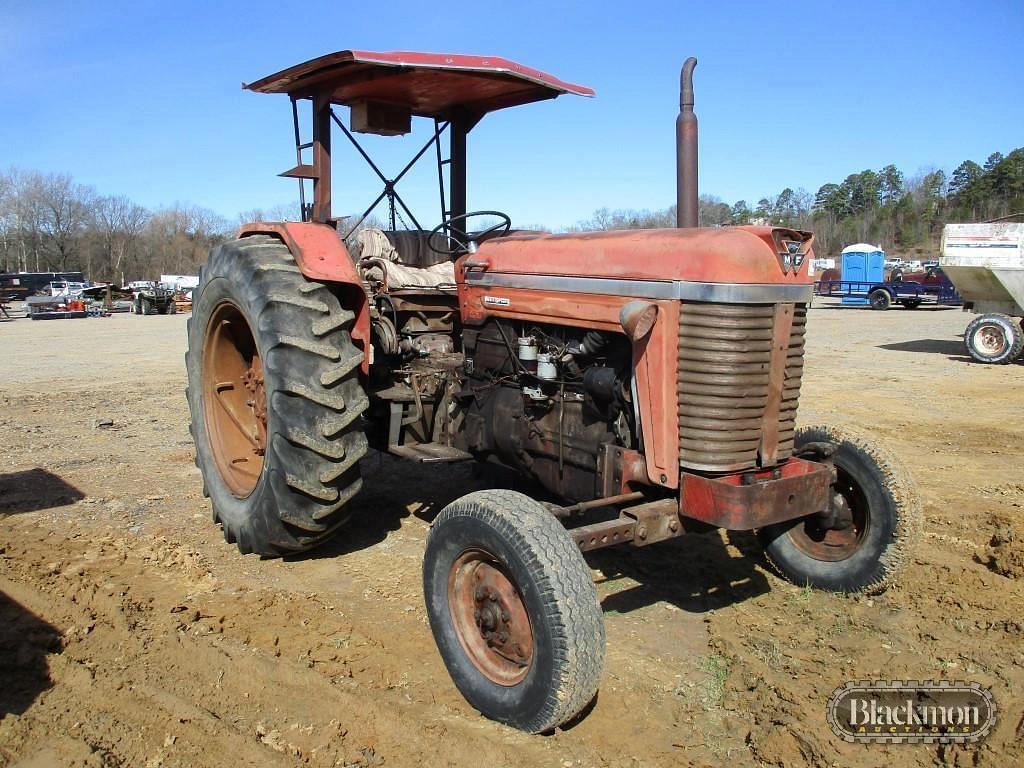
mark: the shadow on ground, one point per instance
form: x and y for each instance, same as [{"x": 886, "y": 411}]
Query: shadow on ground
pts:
[
  {"x": 696, "y": 573},
  {"x": 394, "y": 489},
  {"x": 954, "y": 350},
  {"x": 25, "y": 642},
  {"x": 35, "y": 489}
]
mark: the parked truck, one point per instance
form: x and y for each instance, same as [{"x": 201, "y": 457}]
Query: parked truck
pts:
[{"x": 986, "y": 264}]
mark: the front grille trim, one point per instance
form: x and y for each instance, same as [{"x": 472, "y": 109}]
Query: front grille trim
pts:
[{"x": 724, "y": 361}]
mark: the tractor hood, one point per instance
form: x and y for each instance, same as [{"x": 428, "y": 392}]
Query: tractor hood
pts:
[{"x": 652, "y": 263}]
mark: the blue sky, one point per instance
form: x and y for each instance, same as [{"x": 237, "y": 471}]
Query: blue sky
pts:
[{"x": 144, "y": 98}]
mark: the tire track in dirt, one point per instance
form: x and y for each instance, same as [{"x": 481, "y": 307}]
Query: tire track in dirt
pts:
[{"x": 158, "y": 667}]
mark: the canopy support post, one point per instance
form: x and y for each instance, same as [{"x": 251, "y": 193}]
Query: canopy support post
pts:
[{"x": 322, "y": 159}]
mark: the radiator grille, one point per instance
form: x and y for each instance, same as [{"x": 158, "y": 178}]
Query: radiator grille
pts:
[{"x": 724, "y": 367}]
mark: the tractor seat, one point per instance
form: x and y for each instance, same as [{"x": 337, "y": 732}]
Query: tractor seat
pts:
[
  {"x": 412, "y": 248},
  {"x": 391, "y": 261}
]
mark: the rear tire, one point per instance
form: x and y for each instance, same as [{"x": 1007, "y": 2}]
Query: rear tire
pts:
[
  {"x": 513, "y": 609},
  {"x": 884, "y": 505},
  {"x": 880, "y": 299},
  {"x": 994, "y": 339},
  {"x": 254, "y": 308}
]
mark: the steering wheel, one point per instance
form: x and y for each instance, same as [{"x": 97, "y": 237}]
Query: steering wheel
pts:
[{"x": 461, "y": 239}]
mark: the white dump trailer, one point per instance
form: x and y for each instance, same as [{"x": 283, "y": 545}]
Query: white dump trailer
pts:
[{"x": 986, "y": 264}]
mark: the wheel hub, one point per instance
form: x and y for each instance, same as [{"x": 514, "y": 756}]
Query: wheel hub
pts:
[
  {"x": 252, "y": 380},
  {"x": 990, "y": 338},
  {"x": 234, "y": 399},
  {"x": 490, "y": 618},
  {"x": 836, "y": 533}
]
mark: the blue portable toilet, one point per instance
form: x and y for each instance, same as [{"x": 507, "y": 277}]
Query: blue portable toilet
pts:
[{"x": 865, "y": 264}]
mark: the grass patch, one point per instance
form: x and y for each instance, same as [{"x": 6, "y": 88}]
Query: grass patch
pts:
[{"x": 712, "y": 689}]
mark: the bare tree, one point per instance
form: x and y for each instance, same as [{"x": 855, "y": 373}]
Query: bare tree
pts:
[
  {"x": 66, "y": 212},
  {"x": 279, "y": 212},
  {"x": 177, "y": 240},
  {"x": 118, "y": 223}
]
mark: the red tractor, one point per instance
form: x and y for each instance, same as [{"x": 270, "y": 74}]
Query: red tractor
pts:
[{"x": 648, "y": 380}]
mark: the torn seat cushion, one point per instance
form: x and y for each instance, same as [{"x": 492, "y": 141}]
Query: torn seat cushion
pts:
[{"x": 379, "y": 265}]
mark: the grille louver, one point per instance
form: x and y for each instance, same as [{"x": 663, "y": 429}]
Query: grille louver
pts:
[{"x": 725, "y": 353}]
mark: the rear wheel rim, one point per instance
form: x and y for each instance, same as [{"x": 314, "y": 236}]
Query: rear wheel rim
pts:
[
  {"x": 831, "y": 544},
  {"x": 490, "y": 618},
  {"x": 234, "y": 399},
  {"x": 990, "y": 340}
]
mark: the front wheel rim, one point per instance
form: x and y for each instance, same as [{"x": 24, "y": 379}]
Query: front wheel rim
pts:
[
  {"x": 234, "y": 399},
  {"x": 490, "y": 618},
  {"x": 990, "y": 340},
  {"x": 831, "y": 544}
]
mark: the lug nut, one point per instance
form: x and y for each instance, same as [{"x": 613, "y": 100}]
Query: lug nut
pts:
[{"x": 480, "y": 594}]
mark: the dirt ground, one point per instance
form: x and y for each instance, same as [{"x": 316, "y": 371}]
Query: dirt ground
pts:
[{"x": 131, "y": 634}]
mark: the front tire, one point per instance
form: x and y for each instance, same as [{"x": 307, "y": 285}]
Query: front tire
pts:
[
  {"x": 513, "y": 609},
  {"x": 883, "y": 505},
  {"x": 275, "y": 399},
  {"x": 994, "y": 339}
]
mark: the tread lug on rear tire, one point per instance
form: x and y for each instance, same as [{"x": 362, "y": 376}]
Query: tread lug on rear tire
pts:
[
  {"x": 253, "y": 303},
  {"x": 546, "y": 667},
  {"x": 994, "y": 338},
  {"x": 886, "y": 508}
]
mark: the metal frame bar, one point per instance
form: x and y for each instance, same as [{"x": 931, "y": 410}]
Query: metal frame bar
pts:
[
  {"x": 304, "y": 213},
  {"x": 322, "y": 160},
  {"x": 389, "y": 184},
  {"x": 440, "y": 170},
  {"x": 319, "y": 210},
  {"x": 726, "y": 293}
]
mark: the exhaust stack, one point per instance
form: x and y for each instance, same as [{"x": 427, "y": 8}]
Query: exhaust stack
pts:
[{"x": 686, "y": 150}]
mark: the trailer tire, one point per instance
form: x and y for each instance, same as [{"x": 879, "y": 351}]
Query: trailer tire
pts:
[
  {"x": 885, "y": 506},
  {"x": 880, "y": 299},
  {"x": 513, "y": 609},
  {"x": 254, "y": 308},
  {"x": 912, "y": 303},
  {"x": 994, "y": 339}
]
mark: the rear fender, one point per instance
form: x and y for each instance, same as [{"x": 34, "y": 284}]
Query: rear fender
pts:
[{"x": 321, "y": 255}]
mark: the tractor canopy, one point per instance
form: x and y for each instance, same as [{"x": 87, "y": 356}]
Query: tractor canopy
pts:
[
  {"x": 426, "y": 84},
  {"x": 384, "y": 91}
]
